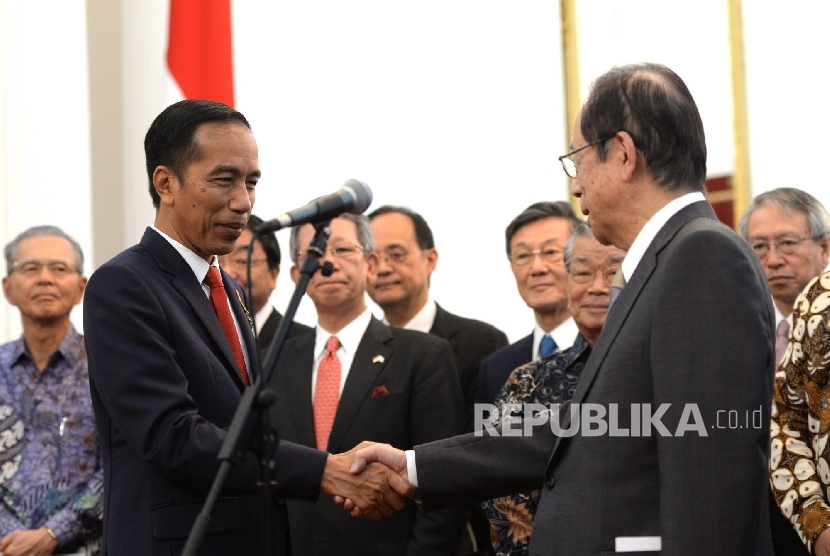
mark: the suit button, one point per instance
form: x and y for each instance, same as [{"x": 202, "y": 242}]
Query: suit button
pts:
[{"x": 549, "y": 481}]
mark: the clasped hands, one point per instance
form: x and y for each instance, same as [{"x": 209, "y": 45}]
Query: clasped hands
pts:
[{"x": 370, "y": 480}]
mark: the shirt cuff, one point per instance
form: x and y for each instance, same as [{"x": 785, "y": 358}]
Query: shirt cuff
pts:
[{"x": 411, "y": 472}]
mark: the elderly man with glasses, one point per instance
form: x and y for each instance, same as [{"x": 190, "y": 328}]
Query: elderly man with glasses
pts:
[
  {"x": 356, "y": 378},
  {"x": 51, "y": 476},
  {"x": 788, "y": 229},
  {"x": 688, "y": 339}
]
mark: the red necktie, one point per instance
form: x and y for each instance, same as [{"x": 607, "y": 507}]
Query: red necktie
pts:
[
  {"x": 327, "y": 393},
  {"x": 219, "y": 300}
]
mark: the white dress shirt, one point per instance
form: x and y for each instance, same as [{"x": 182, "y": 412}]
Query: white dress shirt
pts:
[
  {"x": 200, "y": 269},
  {"x": 564, "y": 335},
  {"x": 349, "y": 336}
]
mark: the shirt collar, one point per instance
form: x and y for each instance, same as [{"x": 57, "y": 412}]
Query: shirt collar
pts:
[
  {"x": 423, "y": 319},
  {"x": 564, "y": 335},
  {"x": 68, "y": 349},
  {"x": 196, "y": 263},
  {"x": 652, "y": 228},
  {"x": 349, "y": 336},
  {"x": 262, "y": 316}
]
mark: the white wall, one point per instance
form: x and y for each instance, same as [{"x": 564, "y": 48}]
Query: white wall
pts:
[
  {"x": 44, "y": 127},
  {"x": 454, "y": 108},
  {"x": 789, "y": 116}
]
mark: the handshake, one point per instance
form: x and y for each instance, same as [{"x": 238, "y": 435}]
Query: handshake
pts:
[{"x": 370, "y": 479}]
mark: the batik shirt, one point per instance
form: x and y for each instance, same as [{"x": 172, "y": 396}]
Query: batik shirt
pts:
[
  {"x": 56, "y": 479},
  {"x": 549, "y": 381}
]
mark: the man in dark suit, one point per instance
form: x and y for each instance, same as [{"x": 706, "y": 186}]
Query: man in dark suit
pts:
[
  {"x": 687, "y": 343},
  {"x": 407, "y": 259},
  {"x": 265, "y": 267},
  {"x": 389, "y": 385},
  {"x": 170, "y": 351},
  {"x": 535, "y": 242}
]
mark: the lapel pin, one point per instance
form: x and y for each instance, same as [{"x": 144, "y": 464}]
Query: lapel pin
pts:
[
  {"x": 247, "y": 313},
  {"x": 378, "y": 359}
]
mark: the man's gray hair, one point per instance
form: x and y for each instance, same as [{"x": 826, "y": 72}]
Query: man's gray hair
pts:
[
  {"x": 582, "y": 230},
  {"x": 40, "y": 231},
  {"x": 794, "y": 200},
  {"x": 364, "y": 235}
]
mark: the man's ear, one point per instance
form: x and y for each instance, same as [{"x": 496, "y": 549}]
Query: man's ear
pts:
[
  {"x": 7, "y": 291},
  {"x": 372, "y": 262},
  {"x": 295, "y": 273},
  {"x": 431, "y": 256},
  {"x": 163, "y": 178},
  {"x": 627, "y": 153},
  {"x": 272, "y": 277}
]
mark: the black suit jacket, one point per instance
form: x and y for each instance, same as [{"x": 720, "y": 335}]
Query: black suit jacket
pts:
[
  {"x": 496, "y": 368},
  {"x": 401, "y": 389},
  {"x": 269, "y": 331},
  {"x": 471, "y": 341},
  {"x": 693, "y": 328},
  {"x": 164, "y": 388}
]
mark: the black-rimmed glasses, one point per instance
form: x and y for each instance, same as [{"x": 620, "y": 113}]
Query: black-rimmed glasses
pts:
[{"x": 567, "y": 162}]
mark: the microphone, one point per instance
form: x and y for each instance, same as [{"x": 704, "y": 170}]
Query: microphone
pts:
[{"x": 354, "y": 197}]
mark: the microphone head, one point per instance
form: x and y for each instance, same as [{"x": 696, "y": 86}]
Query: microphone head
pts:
[{"x": 361, "y": 194}]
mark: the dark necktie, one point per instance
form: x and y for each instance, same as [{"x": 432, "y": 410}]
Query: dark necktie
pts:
[
  {"x": 219, "y": 300},
  {"x": 547, "y": 346},
  {"x": 327, "y": 393}
]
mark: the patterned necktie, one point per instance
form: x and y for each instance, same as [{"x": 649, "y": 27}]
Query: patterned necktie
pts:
[
  {"x": 546, "y": 346},
  {"x": 219, "y": 300},
  {"x": 327, "y": 393},
  {"x": 617, "y": 286},
  {"x": 782, "y": 336}
]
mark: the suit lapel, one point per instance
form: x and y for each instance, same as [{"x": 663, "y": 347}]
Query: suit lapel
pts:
[
  {"x": 296, "y": 362},
  {"x": 184, "y": 281},
  {"x": 618, "y": 315},
  {"x": 442, "y": 327},
  {"x": 246, "y": 324},
  {"x": 362, "y": 376}
]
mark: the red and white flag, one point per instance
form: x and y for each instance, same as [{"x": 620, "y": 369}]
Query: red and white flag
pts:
[{"x": 199, "y": 54}]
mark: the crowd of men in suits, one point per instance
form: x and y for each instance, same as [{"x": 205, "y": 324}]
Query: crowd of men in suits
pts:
[{"x": 177, "y": 326}]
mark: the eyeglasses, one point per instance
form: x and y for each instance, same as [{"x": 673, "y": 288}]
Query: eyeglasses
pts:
[
  {"x": 567, "y": 162},
  {"x": 33, "y": 267},
  {"x": 525, "y": 257},
  {"x": 586, "y": 275},
  {"x": 240, "y": 263},
  {"x": 339, "y": 251},
  {"x": 395, "y": 255},
  {"x": 786, "y": 245}
]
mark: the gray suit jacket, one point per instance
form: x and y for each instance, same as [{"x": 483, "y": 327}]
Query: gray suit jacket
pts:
[
  {"x": 693, "y": 329},
  {"x": 401, "y": 389}
]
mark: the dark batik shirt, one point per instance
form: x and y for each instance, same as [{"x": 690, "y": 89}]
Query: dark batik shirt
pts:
[
  {"x": 50, "y": 462},
  {"x": 548, "y": 381}
]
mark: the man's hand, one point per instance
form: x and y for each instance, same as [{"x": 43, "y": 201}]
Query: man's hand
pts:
[
  {"x": 374, "y": 491},
  {"x": 28, "y": 542},
  {"x": 366, "y": 454},
  {"x": 822, "y": 545}
]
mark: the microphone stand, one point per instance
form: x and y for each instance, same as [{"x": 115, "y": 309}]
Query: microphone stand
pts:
[{"x": 251, "y": 424}]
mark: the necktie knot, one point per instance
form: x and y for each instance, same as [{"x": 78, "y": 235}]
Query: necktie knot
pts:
[
  {"x": 782, "y": 337},
  {"x": 213, "y": 279},
  {"x": 332, "y": 345},
  {"x": 547, "y": 346}
]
